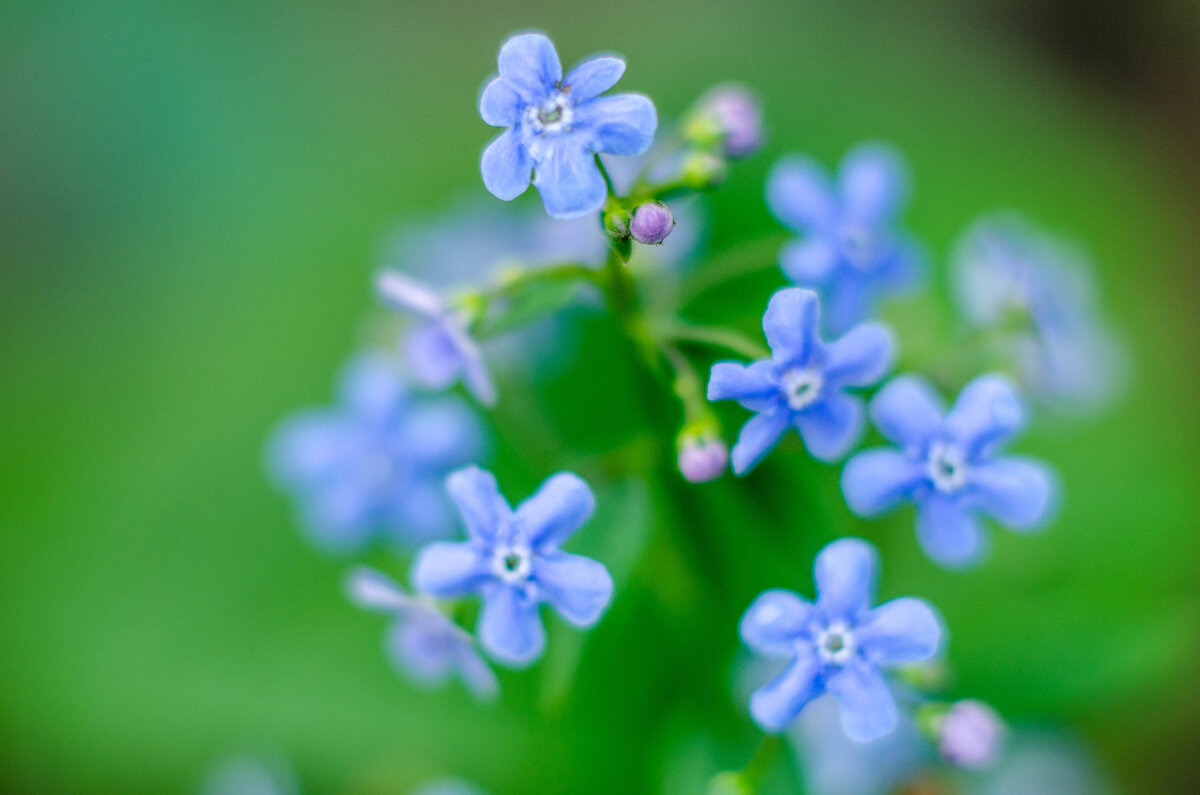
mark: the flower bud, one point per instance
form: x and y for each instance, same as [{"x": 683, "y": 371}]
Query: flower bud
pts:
[
  {"x": 735, "y": 115},
  {"x": 702, "y": 458},
  {"x": 616, "y": 222},
  {"x": 703, "y": 170},
  {"x": 651, "y": 223},
  {"x": 970, "y": 734}
]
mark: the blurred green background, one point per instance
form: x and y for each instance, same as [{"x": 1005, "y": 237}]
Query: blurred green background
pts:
[{"x": 192, "y": 198}]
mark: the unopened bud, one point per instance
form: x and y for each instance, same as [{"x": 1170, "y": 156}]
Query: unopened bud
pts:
[
  {"x": 616, "y": 222},
  {"x": 651, "y": 223},
  {"x": 969, "y": 734},
  {"x": 703, "y": 170},
  {"x": 702, "y": 458},
  {"x": 735, "y": 115}
]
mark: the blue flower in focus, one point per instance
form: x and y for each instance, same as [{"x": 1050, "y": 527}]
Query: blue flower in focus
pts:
[
  {"x": 556, "y": 126},
  {"x": 440, "y": 350},
  {"x": 850, "y": 250},
  {"x": 374, "y": 464},
  {"x": 947, "y": 464},
  {"x": 1040, "y": 293},
  {"x": 804, "y": 383},
  {"x": 838, "y": 644},
  {"x": 513, "y": 561},
  {"x": 425, "y": 645}
]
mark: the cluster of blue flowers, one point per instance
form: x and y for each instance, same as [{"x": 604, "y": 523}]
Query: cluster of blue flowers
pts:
[{"x": 396, "y": 458}]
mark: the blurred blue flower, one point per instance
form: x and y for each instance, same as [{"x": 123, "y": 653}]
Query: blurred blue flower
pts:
[
  {"x": 512, "y": 560},
  {"x": 947, "y": 464},
  {"x": 838, "y": 644},
  {"x": 440, "y": 350},
  {"x": 556, "y": 126},
  {"x": 1007, "y": 273},
  {"x": 851, "y": 250},
  {"x": 374, "y": 464},
  {"x": 804, "y": 383},
  {"x": 423, "y": 644}
]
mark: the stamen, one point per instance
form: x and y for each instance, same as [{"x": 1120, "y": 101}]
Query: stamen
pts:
[
  {"x": 947, "y": 467},
  {"x": 801, "y": 387}
]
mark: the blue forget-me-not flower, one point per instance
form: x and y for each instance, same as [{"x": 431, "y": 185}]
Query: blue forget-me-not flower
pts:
[
  {"x": 512, "y": 559},
  {"x": 1040, "y": 290},
  {"x": 837, "y": 644},
  {"x": 374, "y": 464},
  {"x": 851, "y": 249},
  {"x": 557, "y": 125},
  {"x": 804, "y": 383},
  {"x": 947, "y": 464},
  {"x": 440, "y": 350},
  {"x": 424, "y": 644}
]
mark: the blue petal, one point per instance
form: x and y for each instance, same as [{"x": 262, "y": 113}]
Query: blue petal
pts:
[
  {"x": 530, "y": 65},
  {"x": 506, "y": 166},
  {"x": 423, "y": 652},
  {"x": 373, "y": 590},
  {"x": 1017, "y": 492},
  {"x": 476, "y": 674},
  {"x": 480, "y": 502},
  {"x": 771, "y": 624},
  {"x": 845, "y": 576},
  {"x": 878, "y": 480},
  {"x": 873, "y": 183},
  {"x": 861, "y": 357},
  {"x": 867, "y": 708},
  {"x": 758, "y": 436},
  {"x": 409, "y": 295},
  {"x": 593, "y": 77},
  {"x": 900, "y": 631},
  {"x": 790, "y": 325},
  {"x": 846, "y": 301},
  {"x": 799, "y": 194},
  {"x": 907, "y": 411},
  {"x": 420, "y": 512},
  {"x": 777, "y": 704},
  {"x": 569, "y": 182},
  {"x": 432, "y": 355},
  {"x": 555, "y": 511},
  {"x": 832, "y": 426},
  {"x": 475, "y": 374},
  {"x": 500, "y": 105},
  {"x": 441, "y": 434},
  {"x": 312, "y": 446},
  {"x": 623, "y": 124},
  {"x": 753, "y": 385},
  {"x": 578, "y": 588},
  {"x": 986, "y": 413},
  {"x": 371, "y": 388},
  {"x": 339, "y": 515},
  {"x": 948, "y": 533},
  {"x": 510, "y": 628},
  {"x": 449, "y": 569},
  {"x": 810, "y": 262}
]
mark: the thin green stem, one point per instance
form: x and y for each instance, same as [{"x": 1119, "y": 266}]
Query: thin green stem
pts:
[
  {"x": 687, "y": 385},
  {"x": 607, "y": 179},
  {"x": 752, "y": 257},
  {"x": 717, "y": 338},
  {"x": 752, "y": 774}
]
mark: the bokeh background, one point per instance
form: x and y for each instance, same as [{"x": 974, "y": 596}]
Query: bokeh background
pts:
[{"x": 193, "y": 196}]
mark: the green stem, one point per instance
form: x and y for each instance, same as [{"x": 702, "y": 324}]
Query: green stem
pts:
[
  {"x": 753, "y": 257},
  {"x": 687, "y": 385},
  {"x": 752, "y": 774},
  {"x": 621, "y": 292},
  {"x": 718, "y": 338},
  {"x": 607, "y": 179}
]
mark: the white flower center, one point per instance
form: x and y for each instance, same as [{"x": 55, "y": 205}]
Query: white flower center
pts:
[
  {"x": 511, "y": 564},
  {"x": 947, "y": 467},
  {"x": 835, "y": 644},
  {"x": 552, "y": 116},
  {"x": 801, "y": 387}
]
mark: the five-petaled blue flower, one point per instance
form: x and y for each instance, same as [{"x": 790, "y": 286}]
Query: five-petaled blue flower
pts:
[
  {"x": 423, "y": 643},
  {"x": 556, "y": 126},
  {"x": 851, "y": 250},
  {"x": 838, "y": 644},
  {"x": 440, "y": 350},
  {"x": 804, "y": 382},
  {"x": 375, "y": 463},
  {"x": 947, "y": 465},
  {"x": 513, "y": 561}
]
